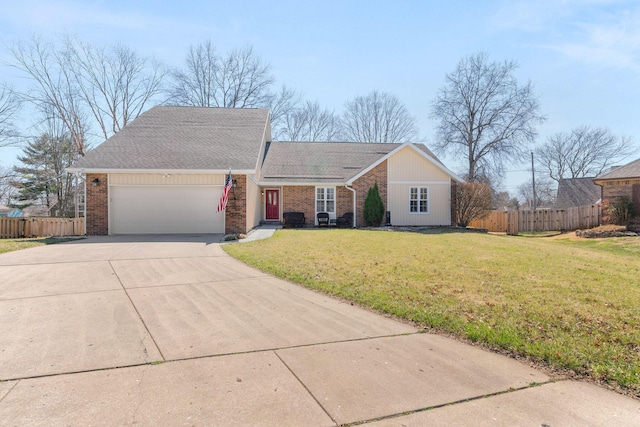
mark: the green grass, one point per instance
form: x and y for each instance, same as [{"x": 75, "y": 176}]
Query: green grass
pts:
[
  {"x": 10, "y": 245},
  {"x": 570, "y": 304}
]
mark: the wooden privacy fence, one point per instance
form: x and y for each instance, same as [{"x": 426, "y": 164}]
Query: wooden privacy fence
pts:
[
  {"x": 14, "y": 228},
  {"x": 511, "y": 222}
]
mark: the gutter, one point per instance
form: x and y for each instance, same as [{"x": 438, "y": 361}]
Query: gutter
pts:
[
  {"x": 162, "y": 171},
  {"x": 354, "y": 204}
]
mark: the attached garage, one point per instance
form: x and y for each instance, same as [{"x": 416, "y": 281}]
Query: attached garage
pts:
[{"x": 188, "y": 205}]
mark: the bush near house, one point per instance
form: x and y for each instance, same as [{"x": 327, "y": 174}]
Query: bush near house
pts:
[
  {"x": 618, "y": 213},
  {"x": 373, "y": 207}
]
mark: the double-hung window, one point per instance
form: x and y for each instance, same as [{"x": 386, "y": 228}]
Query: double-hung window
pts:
[
  {"x": 419, "y": 200},
  {"x": 326, "y": 199}
]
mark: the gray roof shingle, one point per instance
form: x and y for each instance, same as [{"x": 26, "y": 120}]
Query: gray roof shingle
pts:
[
  {"x": 577, "y": 192},
  {"x": 318, "y": 162},
  {"x": 184, "y": 138},
  {"x": 630, "y": 170}
]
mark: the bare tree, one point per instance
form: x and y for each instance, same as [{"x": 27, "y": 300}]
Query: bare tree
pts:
[
  {"x": 9, "y": 106},
  {"x": 311, "y": 123},
  {"x": 244, "y": 80},
  {"x": 238, "y": 80},
  {"x": 281, "y": 104},
  {"x": 76, "y": 82},
  {"x": 55, "y": 88},
  {"x": 7, "y": 190},
  {"x": 116, "y": 83},
  {"x": 545, "y": 193},
  {"x": 484, "y": 115},
  {"x": 378, "y": 117},
  {"x": 474, "y": 200},
  {"x": 196, "y": 83},
  {"x": 583, "y": 152}
]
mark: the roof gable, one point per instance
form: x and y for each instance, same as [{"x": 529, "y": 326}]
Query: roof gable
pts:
[
  {"x": 421, "y": 150},
  {"x": 184, "y": 138}
]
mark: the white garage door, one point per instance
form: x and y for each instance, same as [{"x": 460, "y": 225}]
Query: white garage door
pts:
[{"x": 165, "y": 210}]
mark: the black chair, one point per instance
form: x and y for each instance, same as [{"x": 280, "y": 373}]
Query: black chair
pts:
[
  {"x": 323, "y": 219},
  {"x": 346, "y": 220}
]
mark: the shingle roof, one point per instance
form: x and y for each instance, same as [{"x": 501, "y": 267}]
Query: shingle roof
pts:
[
  {"x": 184, "y": 138},
  {"x": 630, "y": 170},
  {"x": 318, "y": 162},
  {"x": 577, "y": 192}
]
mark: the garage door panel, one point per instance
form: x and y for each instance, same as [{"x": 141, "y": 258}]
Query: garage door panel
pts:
[{"x": 165, "y": 210}]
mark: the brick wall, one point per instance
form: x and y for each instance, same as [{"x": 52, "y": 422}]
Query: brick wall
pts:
[
  {"x": 362, "y": 185},
  {"x": 97, "y": 205},
  {"x": 344, "y": 201},
  {"x": 300, "y": 199},
  {"x": 614, "y": 190},
  {"x": 236, "y": 212}
]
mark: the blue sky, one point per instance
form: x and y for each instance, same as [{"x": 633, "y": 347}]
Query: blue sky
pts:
[{"x": 583, "y": 56}]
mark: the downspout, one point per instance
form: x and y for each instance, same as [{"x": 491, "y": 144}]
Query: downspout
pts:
[{"x": 354, "y": 204}]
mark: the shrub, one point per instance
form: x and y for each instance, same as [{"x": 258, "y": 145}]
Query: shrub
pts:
[
  {"x": 620, "y": 212},
  {"x": 373, "y": 207},
  {"x": 473, "y": 201}
]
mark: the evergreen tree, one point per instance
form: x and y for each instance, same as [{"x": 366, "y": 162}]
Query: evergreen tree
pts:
[
  {"x": 42, "y": 176},
  {"x": 373, "y": 207}
]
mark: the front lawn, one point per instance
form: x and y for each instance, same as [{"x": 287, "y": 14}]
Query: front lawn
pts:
[
  {"x": 10, "y": 245},
  {"x": 570, "y": 304}
]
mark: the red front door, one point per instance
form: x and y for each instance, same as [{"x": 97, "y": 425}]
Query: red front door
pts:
[{"x": 272, "y": 199}]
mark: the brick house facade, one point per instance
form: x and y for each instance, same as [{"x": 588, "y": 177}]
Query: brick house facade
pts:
[
  {"x": 97, "y": 204},
  {"x": 144, "y": 184}
]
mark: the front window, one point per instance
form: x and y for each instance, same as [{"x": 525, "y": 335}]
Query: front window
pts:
[
  {"x": 419, "y": 200},
  {"x": 326, "y": 199}
]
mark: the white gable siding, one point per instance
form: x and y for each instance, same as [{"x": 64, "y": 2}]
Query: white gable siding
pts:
[
  {"x": 254, "y": 204},
  {"x": 408, "y": 169}
]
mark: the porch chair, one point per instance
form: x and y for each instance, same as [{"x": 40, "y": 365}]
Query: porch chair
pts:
[
  {"x": 346, "y": 220},
  {"x": 323, "y": 219}
]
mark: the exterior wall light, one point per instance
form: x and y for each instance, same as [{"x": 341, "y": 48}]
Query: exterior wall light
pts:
[{"x": 95, "y": 182}]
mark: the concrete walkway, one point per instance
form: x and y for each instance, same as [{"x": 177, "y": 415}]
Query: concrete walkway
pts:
[{"x": 169, "y": 330}]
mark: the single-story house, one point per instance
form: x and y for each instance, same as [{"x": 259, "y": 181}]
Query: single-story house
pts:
[
  {"x": 165, "y": 172},
  {"x": 621, "y": 181},
  {"x": 574, "y": 192}
]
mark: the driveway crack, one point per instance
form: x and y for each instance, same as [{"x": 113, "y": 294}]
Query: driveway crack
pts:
[
  {"x": 306, "y": 388},
  {"x": 147, "y": 331}
]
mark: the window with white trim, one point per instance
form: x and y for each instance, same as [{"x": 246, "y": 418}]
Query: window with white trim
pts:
[
  {"x": 419, "y": 200},
  {"x": 326, "y": 199}
]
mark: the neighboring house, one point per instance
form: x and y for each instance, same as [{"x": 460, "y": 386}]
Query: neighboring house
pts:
[
  {"x": 165, "y": 171},
  {"x": 577, "y": 192},
  {"x": 4, "y": 210},
  {"x": 621, "y": 181}
]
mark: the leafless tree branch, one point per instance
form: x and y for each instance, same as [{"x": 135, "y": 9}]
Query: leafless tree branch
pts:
[
  {"x": 9, "y": 107},
  {"x": 584, "y": 152},
  {"x": 485, "y": 115},
  {"x": 378, "y": 117}
]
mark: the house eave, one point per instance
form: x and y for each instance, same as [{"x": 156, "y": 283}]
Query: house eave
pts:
[
  {"x": 162, "y": 171},
  {"x": 263, "y": 183}
]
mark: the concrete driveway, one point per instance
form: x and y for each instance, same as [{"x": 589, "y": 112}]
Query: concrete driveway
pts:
[{"x": 169, "y": 330}]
